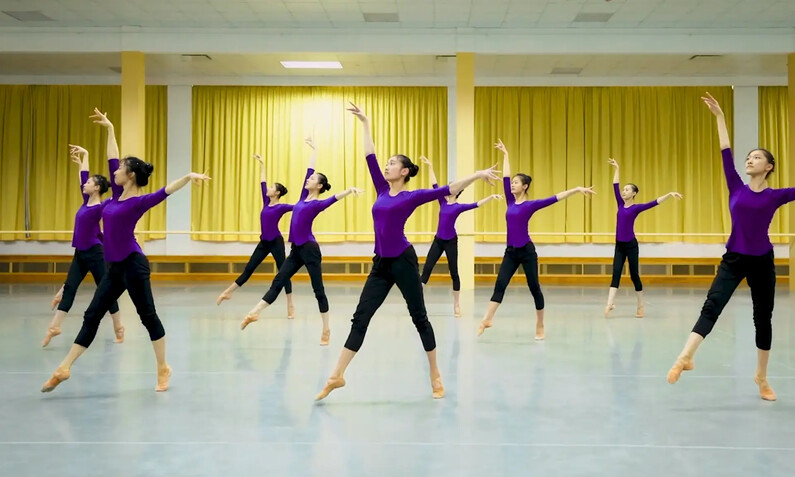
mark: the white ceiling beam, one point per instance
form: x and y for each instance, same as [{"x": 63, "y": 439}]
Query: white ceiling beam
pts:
[
  {"x": 398, "y": 41},
  {"x": 405, "y": 80}
]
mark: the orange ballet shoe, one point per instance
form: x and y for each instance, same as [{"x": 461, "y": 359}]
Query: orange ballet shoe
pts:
[
  {"x": 641, "y": 312},
  {"x": 484, "y": 325},
  {"x": 540, "y": 333},
  {"x": 223, "y": 297},
  {"x": 163, "y": 377},
  {"x": 457, "y": 311},
  {"x": 765, "y": 391},
  {"x": 681, "y": 364},
  {"x": 324, "y": 338},
  {"x": 51, "y": 333},
  {"x": 331, "y": 384},
  {"x": 290, "y": 312},
  {"x": 438, "y": 388},
  {"x": 59, "y": 376},
  {"x": 119, "y": 334},
  {"x": 249, "y": 319},
  {"x": 608, "y": 309}
]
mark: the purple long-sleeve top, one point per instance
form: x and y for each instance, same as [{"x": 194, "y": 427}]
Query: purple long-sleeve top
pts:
[
  {"x": 304, "y": 214},
  {"x": 121, "y": 216},
  {"x": 517, "y": 217},
  {"x": 270, "y": 216},
  {"x": 448, "y": 214},
  {"x": 87, "y": 233},
  {"x": 390, "y": 213},
  {"x": 751, "y": 212},
  {"x": 625, "y": 219}
]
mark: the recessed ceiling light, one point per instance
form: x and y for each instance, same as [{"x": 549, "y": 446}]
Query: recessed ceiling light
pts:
[{"x": 328, "y": 65}]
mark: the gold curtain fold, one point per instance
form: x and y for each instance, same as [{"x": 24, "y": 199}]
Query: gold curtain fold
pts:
[
  {"x": 774, "y": 136},
  {"x": 50, "y": 118},
  {"x": 664, "y": 139},
  {"x": 156, "y": 153},
  {"x": 232, "y": 123},
  {"x": 15, "y": 145}
]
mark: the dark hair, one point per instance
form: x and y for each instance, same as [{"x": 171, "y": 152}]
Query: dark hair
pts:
[
  {"x": 459, "y": 193},
  {"x": 526, "y": 180},
  {"x": 406, "y": 163},
  {"x": 141, "y": 169},
  {"x": 770, "y": 159},
  {"x": 101, "y": 182},
  {"x": 280, "y": 189},
  {"x": 634, "y": 187},
  {"x": 323, "y": 181}
]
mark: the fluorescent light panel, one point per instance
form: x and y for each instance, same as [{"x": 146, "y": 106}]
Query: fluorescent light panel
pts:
[{"x": 328, "y": 65}]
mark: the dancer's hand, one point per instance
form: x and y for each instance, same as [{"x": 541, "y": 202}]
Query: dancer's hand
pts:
[
  {"x": 258, "y": 158},
  {"x": 586, "y": 190},
  {"x": 355, "y": 191},
  {"x": 357, "y": 112},
  {"x": 489, "y": 175},
  {"x": 76, "y": 150},
  {"x": 675, "y": 195},
  {"x": 426, "y": 161},
  {"x": 712, "y": 104},
  {"x": 197, "y": 178},
  {"x": 309, "y": 142},
  {"x": 101, "y": 119},
  {"x": 500, "y": 147},
  {"x": 495, "y": 196},
  {"x": 612, "y": 162}
]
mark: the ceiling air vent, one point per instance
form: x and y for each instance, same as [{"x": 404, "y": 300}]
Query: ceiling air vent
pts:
[
  {"x": 595, "y": 17},
  {"x": 381, "y": 17},
  {"x": 566, "y": 70},
  {"x": 29, "y": 16}
]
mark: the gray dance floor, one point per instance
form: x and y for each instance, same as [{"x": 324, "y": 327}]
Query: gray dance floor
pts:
[{"x": 590, "y": 400}]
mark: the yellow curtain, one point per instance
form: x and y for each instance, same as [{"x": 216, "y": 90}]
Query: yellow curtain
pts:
[
  {"x": 59, "y": 116},
  {"x": 773, "y": 136},
  {"x": 14, "y": 151},
  {"x": 232, "y": 123},
  {"x": 664, "y": 139},
  {"x": 156, "y": 153}
]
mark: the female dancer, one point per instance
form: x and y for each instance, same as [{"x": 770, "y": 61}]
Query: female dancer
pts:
[
  {"x": 270, "y": 239},
  {"x": 87, "y": 241},
  {"x": 395, "y": 261},
  {"x": 128, "y": 267},
  {"x": 626, "y": 243},
  {"x": 446, "y": 238},
  {"x": 749, "y": 254},
  {"x": 520, "y": 249},
  {"x": 304, "y": 251}
]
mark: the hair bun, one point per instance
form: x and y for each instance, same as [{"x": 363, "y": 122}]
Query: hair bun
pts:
[
  {"x": 148, "y": 168},
  {"x": 414, "y": 170},
  {"x": 328, "y": 186}
]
